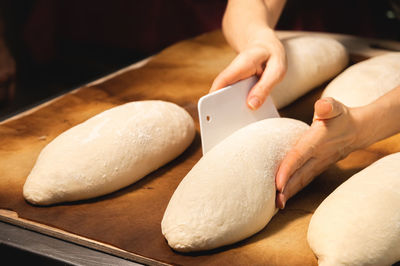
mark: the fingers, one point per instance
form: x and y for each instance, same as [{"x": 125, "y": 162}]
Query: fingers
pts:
[
  {"x": 292, "y": 161},
  {"x": 297, "y": 157},
  {"x": 238, "y": 69},
  {"x": 269, "y": 64},
  {"x": 274, "y": 72},
  {"x": 327, "y": 108},
  {"x": 299, "y": 180},
  {"x": 296, "y": 163}
]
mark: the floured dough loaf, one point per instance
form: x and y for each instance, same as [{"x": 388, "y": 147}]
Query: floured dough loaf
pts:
[
  {"x": 364, "y": 82},
  {"x": 359, "y": 223},
  {"x": 229, "y": 194},
  {"x": 311, "y": 61},
  {"x": 109, "y": 151}
]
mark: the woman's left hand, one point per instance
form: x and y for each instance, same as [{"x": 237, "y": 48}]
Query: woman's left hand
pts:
[{"x": 331, "y": 137}]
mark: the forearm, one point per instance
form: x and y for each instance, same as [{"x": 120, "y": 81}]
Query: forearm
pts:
[
  {"x": 250, "y": 21},
  {"x": 378, "y": 120}
]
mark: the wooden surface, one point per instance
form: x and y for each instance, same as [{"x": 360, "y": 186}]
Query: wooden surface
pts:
[{"x": 127, "y": 222}]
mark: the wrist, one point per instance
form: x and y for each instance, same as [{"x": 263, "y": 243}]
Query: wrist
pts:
[
  {"x": 365, "y": 126},
  {"x": 261, "y": 36}
]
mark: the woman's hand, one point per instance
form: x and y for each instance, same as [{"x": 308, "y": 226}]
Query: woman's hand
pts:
[
  {"x": 264, "y": 57},
  {"x": 331, "y": 137},
  {"x": 248, "y": 27},
  {"x": 335, "y": 132}
]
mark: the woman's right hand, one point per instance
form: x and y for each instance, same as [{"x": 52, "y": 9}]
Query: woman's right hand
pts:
[{"x": 264, "y": 57}]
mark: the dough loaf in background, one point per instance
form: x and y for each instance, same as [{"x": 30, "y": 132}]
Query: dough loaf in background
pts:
[
  {"x": 229, "y": 194},
  {"x": 109, "y": 151},
  {"x": 311, "y": 61},
  {"x": 359, "y": 223},
  {"x": 364, "y": 82}
]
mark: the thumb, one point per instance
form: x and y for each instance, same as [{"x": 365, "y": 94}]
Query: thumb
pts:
[{"x": 327, "y": 108}]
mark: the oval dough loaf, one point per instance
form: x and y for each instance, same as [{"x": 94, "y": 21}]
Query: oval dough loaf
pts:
[
  {"x": 311, "y": 61},
  {"x": 359, "y": 223},
  {"x": 230, "y": 193},
  {"x": 366, "y": 81},
  {"x": 109, "y": 151}
]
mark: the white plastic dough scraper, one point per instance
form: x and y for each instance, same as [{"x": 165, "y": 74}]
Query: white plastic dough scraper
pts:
[{"x": 223, "y": 112}]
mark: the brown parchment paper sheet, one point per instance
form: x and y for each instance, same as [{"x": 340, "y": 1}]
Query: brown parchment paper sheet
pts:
[{"x": 129, "y": 219}]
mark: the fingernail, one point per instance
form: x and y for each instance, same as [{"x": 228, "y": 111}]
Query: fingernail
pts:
[
  {"x": 254, "y": 103},
  {"x": 281, "y": 201}
]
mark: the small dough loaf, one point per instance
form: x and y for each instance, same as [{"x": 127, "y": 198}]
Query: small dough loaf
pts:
[
  {"x": 366, "y": 81},
  {"x": 229, "y": 194},
  {"x": 359, "y": 223},
  {"x": 109, "y": 151},
  {"x": 311, "y": 61}
]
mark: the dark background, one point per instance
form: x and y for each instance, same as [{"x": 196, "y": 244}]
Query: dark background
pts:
[{"x": 60, "y": 45}]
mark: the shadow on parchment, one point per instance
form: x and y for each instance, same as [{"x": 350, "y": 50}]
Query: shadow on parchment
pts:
[
  {"x": 143, "y": 183},
  {"x": 302, "y": 204}
]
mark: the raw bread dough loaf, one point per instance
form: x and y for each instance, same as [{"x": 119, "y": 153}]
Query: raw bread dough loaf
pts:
[
  {"x": 359, "y": 223},
  {"x": 311, "y": 61},
  {"x": 230, "y": 193},
  {"x": 366, "y": 81},
  {"x": 109, "y": 151}
]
